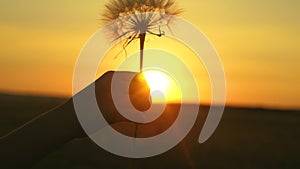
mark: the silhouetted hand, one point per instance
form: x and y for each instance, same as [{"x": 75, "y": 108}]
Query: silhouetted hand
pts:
[
  {"x": 29, "y": 143},
  {"x": 139, "y": 94}
]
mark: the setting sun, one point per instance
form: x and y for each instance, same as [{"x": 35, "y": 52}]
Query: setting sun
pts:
[
  {"x": 157, "y": 80},
  {"x": 163, "y": 87}
]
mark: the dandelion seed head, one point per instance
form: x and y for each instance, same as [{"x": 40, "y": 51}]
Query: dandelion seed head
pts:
[{"x": 128, "y": 19}]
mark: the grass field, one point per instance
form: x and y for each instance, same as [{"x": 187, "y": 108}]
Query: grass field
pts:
[{"x": 246, "y": 138}]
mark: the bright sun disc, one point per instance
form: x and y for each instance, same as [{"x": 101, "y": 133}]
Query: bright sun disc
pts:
[
  {"x": 162, "y": 82},
  {"x": 157, "y": 80}
]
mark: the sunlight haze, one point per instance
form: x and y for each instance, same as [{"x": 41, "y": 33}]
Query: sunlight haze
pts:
[{"x": 257, "y": 41}]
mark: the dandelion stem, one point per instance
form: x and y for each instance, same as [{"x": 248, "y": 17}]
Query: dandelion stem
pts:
[
  {"x": 136, "y": 130},
  {"x": 142, "y": 43}
]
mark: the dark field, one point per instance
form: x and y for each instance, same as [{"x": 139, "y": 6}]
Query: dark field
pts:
[{"x": 245, "y": 138}]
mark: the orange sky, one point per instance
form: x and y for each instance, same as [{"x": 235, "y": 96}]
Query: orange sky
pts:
[{"x": 258, "y": 42}]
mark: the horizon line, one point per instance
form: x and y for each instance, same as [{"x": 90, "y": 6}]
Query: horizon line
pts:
[{"x": 227, "y": 105}]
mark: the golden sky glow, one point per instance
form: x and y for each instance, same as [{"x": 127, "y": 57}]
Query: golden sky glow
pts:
[{"x": 258, "y": 42}]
